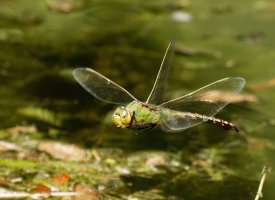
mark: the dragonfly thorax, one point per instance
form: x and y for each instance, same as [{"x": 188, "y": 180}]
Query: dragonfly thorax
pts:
[{"x": 121, "y": 117}]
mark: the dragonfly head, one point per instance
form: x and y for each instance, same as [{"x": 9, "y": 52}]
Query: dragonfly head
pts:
[{"x": 121, "y": 117}]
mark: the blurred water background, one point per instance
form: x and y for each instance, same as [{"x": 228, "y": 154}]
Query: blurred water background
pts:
[{"x": 41, "y": 42}]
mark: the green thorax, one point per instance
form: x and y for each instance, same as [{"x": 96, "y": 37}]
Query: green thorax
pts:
[{"x": 144, "y": 113}]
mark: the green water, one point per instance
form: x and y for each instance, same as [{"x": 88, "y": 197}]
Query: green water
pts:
[{"x": 40, "y": 45}]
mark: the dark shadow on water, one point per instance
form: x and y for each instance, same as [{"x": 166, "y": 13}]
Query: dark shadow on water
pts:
[{"x": 193, "y": 187}]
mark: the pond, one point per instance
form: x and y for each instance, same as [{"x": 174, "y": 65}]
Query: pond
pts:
[{"x": 56, "y": 135}]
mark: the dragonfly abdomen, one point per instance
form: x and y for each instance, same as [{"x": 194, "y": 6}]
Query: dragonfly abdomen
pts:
[{"x": 224, "y": 124}]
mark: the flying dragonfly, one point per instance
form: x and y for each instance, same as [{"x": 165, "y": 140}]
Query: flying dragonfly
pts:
[{"x": 172, "y": 116}]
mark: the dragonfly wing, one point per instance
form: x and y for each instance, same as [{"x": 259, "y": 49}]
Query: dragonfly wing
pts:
[
  {"x": 101, "y": 87},
  {"x": 210, "y": 99},
  {"x": 156, "y": 94},
  {"x": 173, "y": 121}
]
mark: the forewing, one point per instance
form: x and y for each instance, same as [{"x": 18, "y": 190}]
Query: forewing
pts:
[
  {"x": 101, "y": 87},
  {"x": 210, "y": 99},
  {"x": 156, "y": 95}
]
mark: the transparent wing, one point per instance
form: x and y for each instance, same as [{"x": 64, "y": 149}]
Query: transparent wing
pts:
[
  {"x": 206, "y": 101},
  {"x": 101, "y": 87},
  {"x": 173, "y": 121},
  {"x": 210, "y": 99},
  {"x": 156, "y": 95}
]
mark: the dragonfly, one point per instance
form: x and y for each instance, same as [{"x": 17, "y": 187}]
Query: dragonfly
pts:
[{"x": 172, "y": 116}]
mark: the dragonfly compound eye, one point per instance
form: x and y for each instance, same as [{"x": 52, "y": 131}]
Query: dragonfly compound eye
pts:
[{"x": 125, "y": 116}]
